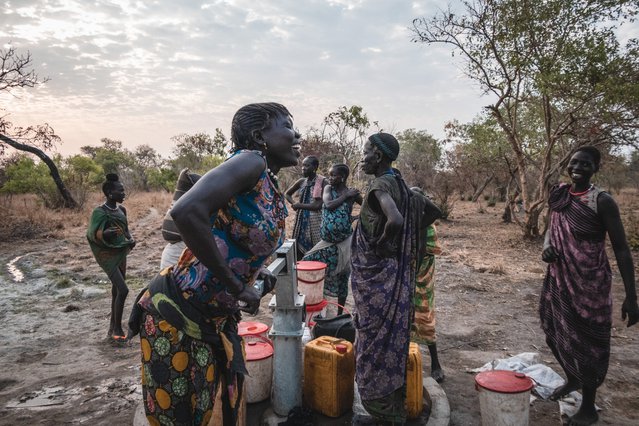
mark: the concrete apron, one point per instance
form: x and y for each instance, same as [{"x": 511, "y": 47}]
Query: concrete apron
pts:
[{"x": 262, "y": 414}]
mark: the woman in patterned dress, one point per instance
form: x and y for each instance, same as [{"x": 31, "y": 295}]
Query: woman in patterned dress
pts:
[
  {"x": 335, "y": 247},
  {"x": 231, "y": 220},
  {"x": 576, "y": 302}
]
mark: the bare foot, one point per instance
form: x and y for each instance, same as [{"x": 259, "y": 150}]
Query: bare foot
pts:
[
  {"x": 438, "y": 375},
  {"x": 564, "y": 390},
  {"x": 584, "y": 417}
]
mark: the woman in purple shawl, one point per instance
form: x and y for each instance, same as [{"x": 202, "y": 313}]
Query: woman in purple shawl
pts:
[
  {"x": 576, "y": 302},
  {"x": 383, "y": 262}
]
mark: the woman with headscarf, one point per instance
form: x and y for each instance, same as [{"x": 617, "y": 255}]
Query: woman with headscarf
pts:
[
  {"x": 383, "y": 263},
  {"x": 576, "y": 301},
  {"x": 110, "y": 241},
  {"x": 231, "y": 220}
]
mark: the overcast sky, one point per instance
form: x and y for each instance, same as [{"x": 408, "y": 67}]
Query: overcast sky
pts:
[{"x": 144, "y": 71}]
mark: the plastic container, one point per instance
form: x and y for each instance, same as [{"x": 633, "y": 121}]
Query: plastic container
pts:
[
  {"x": 249, "y": 330},
  {"x": 414, "y": 382},
  {"x": 504, "y": 397},
  {"x": 310, "y": 280},
  {"x": 259, "y": 364},
  {"x": 312, "y": 311},
  {"x": 329, "y": 374}
]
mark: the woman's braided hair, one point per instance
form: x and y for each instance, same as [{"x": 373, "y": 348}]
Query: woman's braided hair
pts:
[
  {"x": 251, "y": 118},
  {"x": 110, "y": 183}
]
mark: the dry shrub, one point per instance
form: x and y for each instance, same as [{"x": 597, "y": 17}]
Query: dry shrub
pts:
[
  {"x": 628, "y": 200},
  {"x": 24, "y": 217}
]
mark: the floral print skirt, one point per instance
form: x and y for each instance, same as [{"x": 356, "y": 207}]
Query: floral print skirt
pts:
[{"x": 179, "y": 375}]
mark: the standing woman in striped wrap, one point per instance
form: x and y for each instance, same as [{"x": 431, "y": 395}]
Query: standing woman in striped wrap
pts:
[{"x": 576, "y": 300}]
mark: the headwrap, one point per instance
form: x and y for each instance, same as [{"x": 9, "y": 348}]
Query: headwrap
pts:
[{"x": 386, "y": 143}]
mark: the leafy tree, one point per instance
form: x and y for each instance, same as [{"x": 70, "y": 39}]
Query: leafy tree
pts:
[
  {"x": 146, "y": 159},
  {"x": 419, "y": 155},
  {"x": 83, "y": 176},
  {"x": 111, "y": 156},
  {"x": 28, "y": 176},
  {"x": 15, "y": 74},
  {"x": 479, "y": 155},
  {"x": 191, "y": 150},
  {"x": 556, "y": 75},
  {"x": 162, "y": 178}
]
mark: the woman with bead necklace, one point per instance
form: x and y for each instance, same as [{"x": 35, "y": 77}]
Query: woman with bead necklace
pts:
[
  {"x": 576, "y": 302},
  {"x": 111, "y": 242},
  {"x": 232, "y": 220}
]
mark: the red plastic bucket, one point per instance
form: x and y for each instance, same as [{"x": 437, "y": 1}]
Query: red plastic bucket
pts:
[
  {"x": 310, "y": 280},
  {"x": 248, "y": 330},
  {"x": 314, "y": 310}
]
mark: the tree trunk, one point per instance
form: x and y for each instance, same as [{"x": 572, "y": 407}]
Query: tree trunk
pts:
[
  {"x": 481, "y": 189},
  {"x": 69, "y": 202},
  {"x": 532, "y": 222}
]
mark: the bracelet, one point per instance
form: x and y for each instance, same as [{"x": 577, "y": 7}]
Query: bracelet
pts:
[{"x": 235, "y": 294}]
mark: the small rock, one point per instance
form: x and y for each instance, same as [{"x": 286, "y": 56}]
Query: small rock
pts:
[{"x": 71, "y": 308}]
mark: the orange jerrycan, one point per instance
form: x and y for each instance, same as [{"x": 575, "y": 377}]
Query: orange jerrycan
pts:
[
  {"x": 414, "y": 382},
  {"x": 329, "y": 374}
]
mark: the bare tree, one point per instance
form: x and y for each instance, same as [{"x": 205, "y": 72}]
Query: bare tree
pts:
[{"x": 16, "y": 72}]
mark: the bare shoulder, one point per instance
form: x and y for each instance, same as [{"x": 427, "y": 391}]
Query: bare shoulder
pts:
[{"x": 605, "y": 203}]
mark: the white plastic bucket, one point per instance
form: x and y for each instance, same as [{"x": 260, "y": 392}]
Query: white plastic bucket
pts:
[
  {"x": 504, "y": 397},
  {"x": 310, "y": 280},
  {"x": 259, "y": 364}
]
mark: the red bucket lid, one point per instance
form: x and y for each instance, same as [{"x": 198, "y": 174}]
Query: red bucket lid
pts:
[
  {"x": 504, "y": 381},
  {"x": 251, "y": 328},
  {"x": 316, "y": 307},
  {"x": 256, "y": 351},
  {"x": 310, "y": 265}
]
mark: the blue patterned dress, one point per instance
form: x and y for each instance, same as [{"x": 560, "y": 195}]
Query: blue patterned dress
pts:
[{"x": 336, "y": 227}]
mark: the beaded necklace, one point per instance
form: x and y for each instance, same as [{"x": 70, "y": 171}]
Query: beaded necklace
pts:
[
  {"x": 581, "y": 193},
  {"x": 111, "y": 208}
]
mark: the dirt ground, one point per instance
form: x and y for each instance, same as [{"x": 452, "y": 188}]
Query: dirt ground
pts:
[{"x": 59, "y": 367}]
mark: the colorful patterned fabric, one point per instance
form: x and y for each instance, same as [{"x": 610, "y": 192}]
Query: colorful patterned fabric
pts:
[
  {"x": 336, "y": 227},
  {"x": 194, "y": 302},
  {"x": 383, "y": 290},
  {"x": 109, "y": 254},
  {"x": 180, "y": 376},
  {"x": 576, "y": 301},
  {"x": 390, "y": 409},
  {"x": 306, "y": 230},
  {"x": 423, "y": 327}
]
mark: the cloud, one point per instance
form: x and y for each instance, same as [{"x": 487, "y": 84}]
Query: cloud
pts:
[{"x": 140, "y": 71}]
